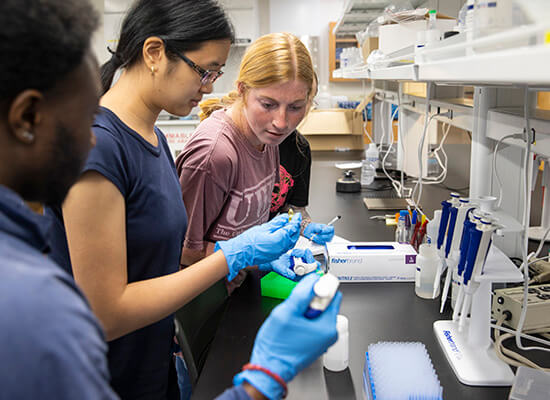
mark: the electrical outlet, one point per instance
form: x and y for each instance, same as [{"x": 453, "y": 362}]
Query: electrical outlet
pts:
[{"x": 538, "y": 306}]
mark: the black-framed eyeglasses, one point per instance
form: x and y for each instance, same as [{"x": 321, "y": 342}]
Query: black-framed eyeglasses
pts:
[{"x": 207, "y": 76}]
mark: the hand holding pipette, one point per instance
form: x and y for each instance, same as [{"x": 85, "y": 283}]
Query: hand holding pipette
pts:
[{"x": 320, "y": 233}]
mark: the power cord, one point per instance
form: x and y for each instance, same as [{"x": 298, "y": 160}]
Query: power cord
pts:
[
  {"x": 495, "y": 170},
  {"x": 511, "y": 357}
]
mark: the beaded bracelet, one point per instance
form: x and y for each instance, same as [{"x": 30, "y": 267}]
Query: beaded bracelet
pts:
[{"x": 277, "y": 378}]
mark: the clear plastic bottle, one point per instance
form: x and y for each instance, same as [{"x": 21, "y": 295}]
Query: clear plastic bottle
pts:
[
  {"x": 371, "y": 155},
  {"x": 462, "y": 18},
  {"x": 401, "y": 234},
  {"x": 434, "y": 168},
  {"x": 368, "y": 172},
  {"x": 432, "y": 14},
  {"x": 432, "y": 34},
  {"x": 426, "y": 268}
]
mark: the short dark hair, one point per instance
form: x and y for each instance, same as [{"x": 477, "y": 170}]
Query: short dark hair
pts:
[
  {"x": 41, "y": 42},
  {"x": 183, "y": 25}
]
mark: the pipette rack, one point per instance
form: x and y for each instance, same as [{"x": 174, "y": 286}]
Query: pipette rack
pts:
[{"x": 470, "y": 351}]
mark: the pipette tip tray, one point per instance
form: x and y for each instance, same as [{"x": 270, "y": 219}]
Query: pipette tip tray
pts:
[{"x": 400, "y": 371}]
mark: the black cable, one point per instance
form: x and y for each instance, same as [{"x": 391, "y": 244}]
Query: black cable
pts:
[
  {"x": 453, "y": 189},
  {"x": 378, "y": 189}
]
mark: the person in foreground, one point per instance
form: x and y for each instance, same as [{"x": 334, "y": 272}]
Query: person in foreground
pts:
[{"x": 51, "y": 344}]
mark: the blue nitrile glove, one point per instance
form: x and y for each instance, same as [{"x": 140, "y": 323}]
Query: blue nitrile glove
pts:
[
  {"x": 283, "y": 265},
  {"x": 260, "y": 244},
  {"x": 288, "y": 342},
  {"x": 319, "y": 233}
]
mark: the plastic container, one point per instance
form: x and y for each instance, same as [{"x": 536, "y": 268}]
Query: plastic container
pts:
[
  {"x": 432, "y": 230},
  {"x": 276, "y": 286},
  {"x": 324, "y": 290},
  {"x": 368, "y": 172},
  {"x": 372, "y": 155},
  {"x": 426, "y": 268},
  {"x": 432, "y": 34},
  {"x": 337, "y": 356},
  {"x": 401, "y": 234},
  {"x": 323, "y": 99}
]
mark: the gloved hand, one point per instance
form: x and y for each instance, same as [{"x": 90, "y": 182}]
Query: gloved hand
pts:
[
  {"x": 288, "y": 342},
  {"x": 319, "y": 233},
  {"x": 260, "y": 244},
  {"x": 283, "y": 264}
]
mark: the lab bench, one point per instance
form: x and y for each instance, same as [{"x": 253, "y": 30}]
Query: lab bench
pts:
[{"x": 382, "y": 311}]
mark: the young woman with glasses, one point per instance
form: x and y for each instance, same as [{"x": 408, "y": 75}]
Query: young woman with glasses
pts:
[{"x": 120, "y": 230}]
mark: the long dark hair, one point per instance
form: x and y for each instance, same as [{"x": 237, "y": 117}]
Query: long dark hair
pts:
[{"x": 183, "y": 25}]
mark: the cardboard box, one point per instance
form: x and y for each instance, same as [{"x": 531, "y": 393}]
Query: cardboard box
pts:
[
  {"x": 418, "y": 89},
  {"x": 335, "y": 142},
  {"x": 333, "y": 129},
  {"x": 335, "y": 121},
  {"x": 395, "y": 37},
  {"x": 370, "y": 44},
  {"x": 372, "y": 261}
]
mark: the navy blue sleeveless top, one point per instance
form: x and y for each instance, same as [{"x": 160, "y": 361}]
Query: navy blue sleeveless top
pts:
[{"x": 156, "y": 222}]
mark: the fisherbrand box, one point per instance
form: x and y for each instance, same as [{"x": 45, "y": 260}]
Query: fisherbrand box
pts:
[{"x": 372, "y": 261}]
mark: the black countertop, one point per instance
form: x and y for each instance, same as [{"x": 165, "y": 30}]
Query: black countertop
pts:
[{"x": 376, "y": 311}]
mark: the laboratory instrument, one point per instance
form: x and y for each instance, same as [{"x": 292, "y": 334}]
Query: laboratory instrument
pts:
[
  {"x": 301, "y": 268},
  {"x": 457, "y": 215},
  {"x": 348, "y": 183},
  {"x": 325, "y": 289},
  {"x": 466, "y": 339},
  {"x": 323, "y": 238}
]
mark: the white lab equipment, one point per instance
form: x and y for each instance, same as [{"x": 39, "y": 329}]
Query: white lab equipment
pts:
[
  {"x": 325, "y": 289},
  {"x": 454, "y": 235},
  {"x": 371, "y": 261},
  {"x": 426, "y": 268},
  {"x": 337, "y": 356},
  {"x": 301, "y": 268},
  {"x": 465, "y": 339}
]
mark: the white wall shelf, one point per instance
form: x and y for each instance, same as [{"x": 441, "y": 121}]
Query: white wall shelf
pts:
[
  {"x": 469, "y": 63},
  {"x": 517, "y": 67}
]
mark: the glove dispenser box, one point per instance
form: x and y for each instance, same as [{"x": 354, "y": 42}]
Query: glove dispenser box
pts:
[{"x": 372, "y": 261}]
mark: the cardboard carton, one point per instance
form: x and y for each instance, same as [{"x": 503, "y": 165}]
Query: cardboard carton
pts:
[{"x": 333, "y": 129}]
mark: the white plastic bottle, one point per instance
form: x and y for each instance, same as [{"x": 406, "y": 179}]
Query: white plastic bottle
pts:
[
  {"x": 432, "y": 230},
  {"x": 426, "y": 268},
  {"x": 337, "y": 356}
]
